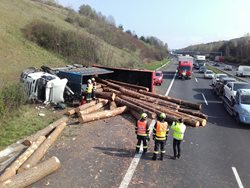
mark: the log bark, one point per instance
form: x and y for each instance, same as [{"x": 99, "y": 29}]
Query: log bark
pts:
[
  {"x": 101, "y": 115},
  {"x": 112, "y": 105},
  {"x": 109, "y": 84},
  {"x": 47, "y": 130},
  {"x": 32, "y": 175},
  {"x": 93, "y": 108},
  {"x": 160, "y": 102},
  {"x": 98, "y": 86},
  {"x": 99, "y": 90},
  {"x": 13, "y": 148},
  {"x": 106, "y": 95},
  {"x": 40, "y": 152},
  {"x": 171, "y": 99},
  {"x": 87, "y": 105},
  {"x": 137, "y": 87},
  {"x": 107, "y": 89},
  {"x": 140, "y": 109},
  {"x": 194, "y": 113},
  {"x": 11, "y": 170}
]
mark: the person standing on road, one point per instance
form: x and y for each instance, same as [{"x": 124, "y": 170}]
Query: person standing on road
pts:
[
  {"x": 94, "y": 88},
  {"x": 160, "y": 134},
  {"x": 89, "y": 89},
  {"x": 142, "y": 132},
  {"x": 178, "y": 129}
]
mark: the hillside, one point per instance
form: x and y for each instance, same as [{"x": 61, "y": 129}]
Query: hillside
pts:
[
  {"x": 235, "y": 50},
  {"x": 17, "y": 52}
]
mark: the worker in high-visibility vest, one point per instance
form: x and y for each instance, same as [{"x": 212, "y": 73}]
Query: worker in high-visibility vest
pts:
[
  {"x": 160, "y": 134},
  {"x": 89, "y": 89},
  {"x": 94, "y": 88},
  {"x": 178, "y": 129},
  {"x": 142, "y": 132}
]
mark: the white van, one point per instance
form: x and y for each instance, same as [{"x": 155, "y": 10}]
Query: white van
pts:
[
  {"x": 43, "y": 86},
  {"x": 243, "y": 71}
]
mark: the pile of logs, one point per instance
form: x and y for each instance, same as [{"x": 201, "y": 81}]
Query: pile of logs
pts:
[
  {"x": 138, "y": 99},
  {"x": 19, "y": 163}
]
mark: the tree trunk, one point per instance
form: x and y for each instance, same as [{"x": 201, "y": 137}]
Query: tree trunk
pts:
[
  {"x": 137, "y": 87},
  {"x": 87, "y": 105},
  {"x": 175, "y": 100},
  {"x": 99, "y": 90},
  {"x": 93, "y": 108},
  {"x": 160, "y": 102},
  {"x": 107, "y": 89},
  {"x": 194, "y": 113},
  {"x": 112, "y": 105},
  {"x": 32, "y": 175},
  {"x": 101, "y": 115},
  {"x": 11, "y": 170},
  {"x": 40, "y": 152},
  {"x": 105, "y": 95},
  {"x": 109, "y": 84},
  {"x": 135, "y": 107}
]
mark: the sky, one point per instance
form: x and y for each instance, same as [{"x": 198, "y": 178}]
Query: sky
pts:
[{"x": 179, "y": 23}]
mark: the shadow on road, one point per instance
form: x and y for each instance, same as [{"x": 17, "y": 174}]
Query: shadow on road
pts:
[{"x": 117, "y": 152}]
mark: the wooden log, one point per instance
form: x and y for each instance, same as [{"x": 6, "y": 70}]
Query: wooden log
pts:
[
  {"x": 175, "y": 100},
  {"x": 32, "y": 175},
  {"x": 160, "y": 102},
  {"x": 135, "y": 114},
  {"x": 98, "y": 86},
  {"x": 109, "y": 84},
  {"x": 40, "y": 152},
  {"x": 137, "y": 108},
  {"x": 13, "y": 148},
  {"x": 94, "y": 108},
  {"x": 107, "y": 89},
  {"x": 105, "y": 95},
  {"x": 47, "y": 130},
  {"x": 11, "y": 170},
  {"x": 194, "y": 113},
  {"x": 112, "y": 105},
  {"x": 101, "y": 115},
  {"x": 99, "y": 90},
  {"x": 87, "y": 105},
  {"x": 137, "y": 87}
]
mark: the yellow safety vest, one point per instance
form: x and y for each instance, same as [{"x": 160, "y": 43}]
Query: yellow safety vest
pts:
[
  {"x": 89, "y": 88},
  {"x": 161, "y": 130},
  {"x": 179, "y": 130}
]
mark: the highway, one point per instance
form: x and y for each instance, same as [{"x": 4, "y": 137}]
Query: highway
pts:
[{"x": 214, "y": 156}]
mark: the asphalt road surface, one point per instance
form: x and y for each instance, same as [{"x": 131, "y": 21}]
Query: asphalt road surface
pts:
[{"x": 101, "y": 154}]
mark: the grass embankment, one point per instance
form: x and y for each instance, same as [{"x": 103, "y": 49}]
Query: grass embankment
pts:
[
  {"x": 156, "y": 64},
  {"x": 214, "y": 69}
]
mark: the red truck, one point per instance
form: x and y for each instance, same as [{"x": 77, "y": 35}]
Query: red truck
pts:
[
  {"x": 219, "y": 59},
  {"x": 185, "y": 67}
]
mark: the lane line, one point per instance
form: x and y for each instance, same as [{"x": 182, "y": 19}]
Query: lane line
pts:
[
  {"x": 161, "y": 66},
  {"x": 204, "y": 98},
  {"x": 237, "y": 177},
  {"x": 196, "y": 80},
  {"x": 130, "y": 172}
]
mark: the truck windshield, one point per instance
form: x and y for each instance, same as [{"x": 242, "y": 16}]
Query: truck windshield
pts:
[
  {"x": 245, "y": 99},
  {"x": 187, "y": 68},
  {"x": 157, "y": 74},
  {"x": 241, "y": 86}
]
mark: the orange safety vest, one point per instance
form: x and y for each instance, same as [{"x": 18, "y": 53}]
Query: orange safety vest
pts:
[
  {"x": 142, "y": 128},
  {"x": 161, "y": 130}
]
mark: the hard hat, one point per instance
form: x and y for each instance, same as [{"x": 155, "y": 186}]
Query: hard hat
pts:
[
  {"x": 93, "y": 79},
  {"x": 89, "y": 81},
  {"x": 144, "y": 116},
  {"x": 162, "y": 115}
]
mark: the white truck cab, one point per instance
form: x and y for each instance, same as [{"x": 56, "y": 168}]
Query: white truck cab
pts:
[
  {"x": 230, "y": 89},
  {"x": 243, "y": 71}
]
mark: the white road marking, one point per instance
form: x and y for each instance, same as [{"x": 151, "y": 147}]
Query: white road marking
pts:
[
  {"x": 161, "y": 66},
  {"x": 237, "y": 177},
  {"x": 129, "y": 174},
  {"x": 204, "y": 98},
  {"x": 196, "y": 80}
]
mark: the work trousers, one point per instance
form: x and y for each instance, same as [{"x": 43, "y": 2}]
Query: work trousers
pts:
[
  {"x": 176, "y": 145},
  {"x": 93, "y": 95},
  {"x": 88, "y": 98},
  {"x": 160, "y": 145},
  {"x": 141, "y": 139}
]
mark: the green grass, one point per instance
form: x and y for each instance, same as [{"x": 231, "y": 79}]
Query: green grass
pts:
[
  {"x": 156, "y": 64},
  {"x": 214, "y": 69},
  {"x": 25, "y": 123}
]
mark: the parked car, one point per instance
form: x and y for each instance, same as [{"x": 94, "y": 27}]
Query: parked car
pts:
[
  {"x": 202, "y": 69},
  {"x": 209, "y": 74},
  {"x": 158, "y": 78},
  {"x": 218, "y": 77},
  {"x": 231, "y": 88},
  {"x": 228, "y": 67}
]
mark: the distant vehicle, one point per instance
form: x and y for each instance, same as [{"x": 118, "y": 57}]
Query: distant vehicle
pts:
[
  {"x": 231, "y": 88},
  {"x": 218, "y": 77},
  {"x": 208, "y": 74},
  {"x": 228, "y": 67},
  {"x": 185, "y": 67},
  {"x": 203, "y": 69},
  {"x": 200, "y": 60},
  {"x": 240, "y": 107},
  {"x": 219, "y": 59},
  {"x": 158, "y": 78},
  {"x": 243, "y": 71},
  {"x": 216, "y": 64},
  {"x": 196, "y": 65},
  {"x": 218, "y": 88}
]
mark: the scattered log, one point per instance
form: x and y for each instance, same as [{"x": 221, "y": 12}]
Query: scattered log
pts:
[
  {"x": 98, "y": 86},
  {"x": 171, "y": 99},
  {"x": 140, "y": 109},
  {"x": 32, "y": 175},
  {"x": 93, "y": 108},
  {"x": 107, "y": 89},
  {"x": 40, "y": 152},
  {"x": 13, "y": 148},
  {"x": 112, "y": 105},
  {"x": 109, "y": 84},
  {"x": 137, "y": 87},
  {"x": 105, "y": 95},
  {"x": 160, "y": 102},
  {"x": 194, "y": 113},
  {"x": 87, "y": 105},
  {"x": 101, "y": 115},
  {"x": 99, "y": 90},
  {"x": 11, "y": 170}
]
